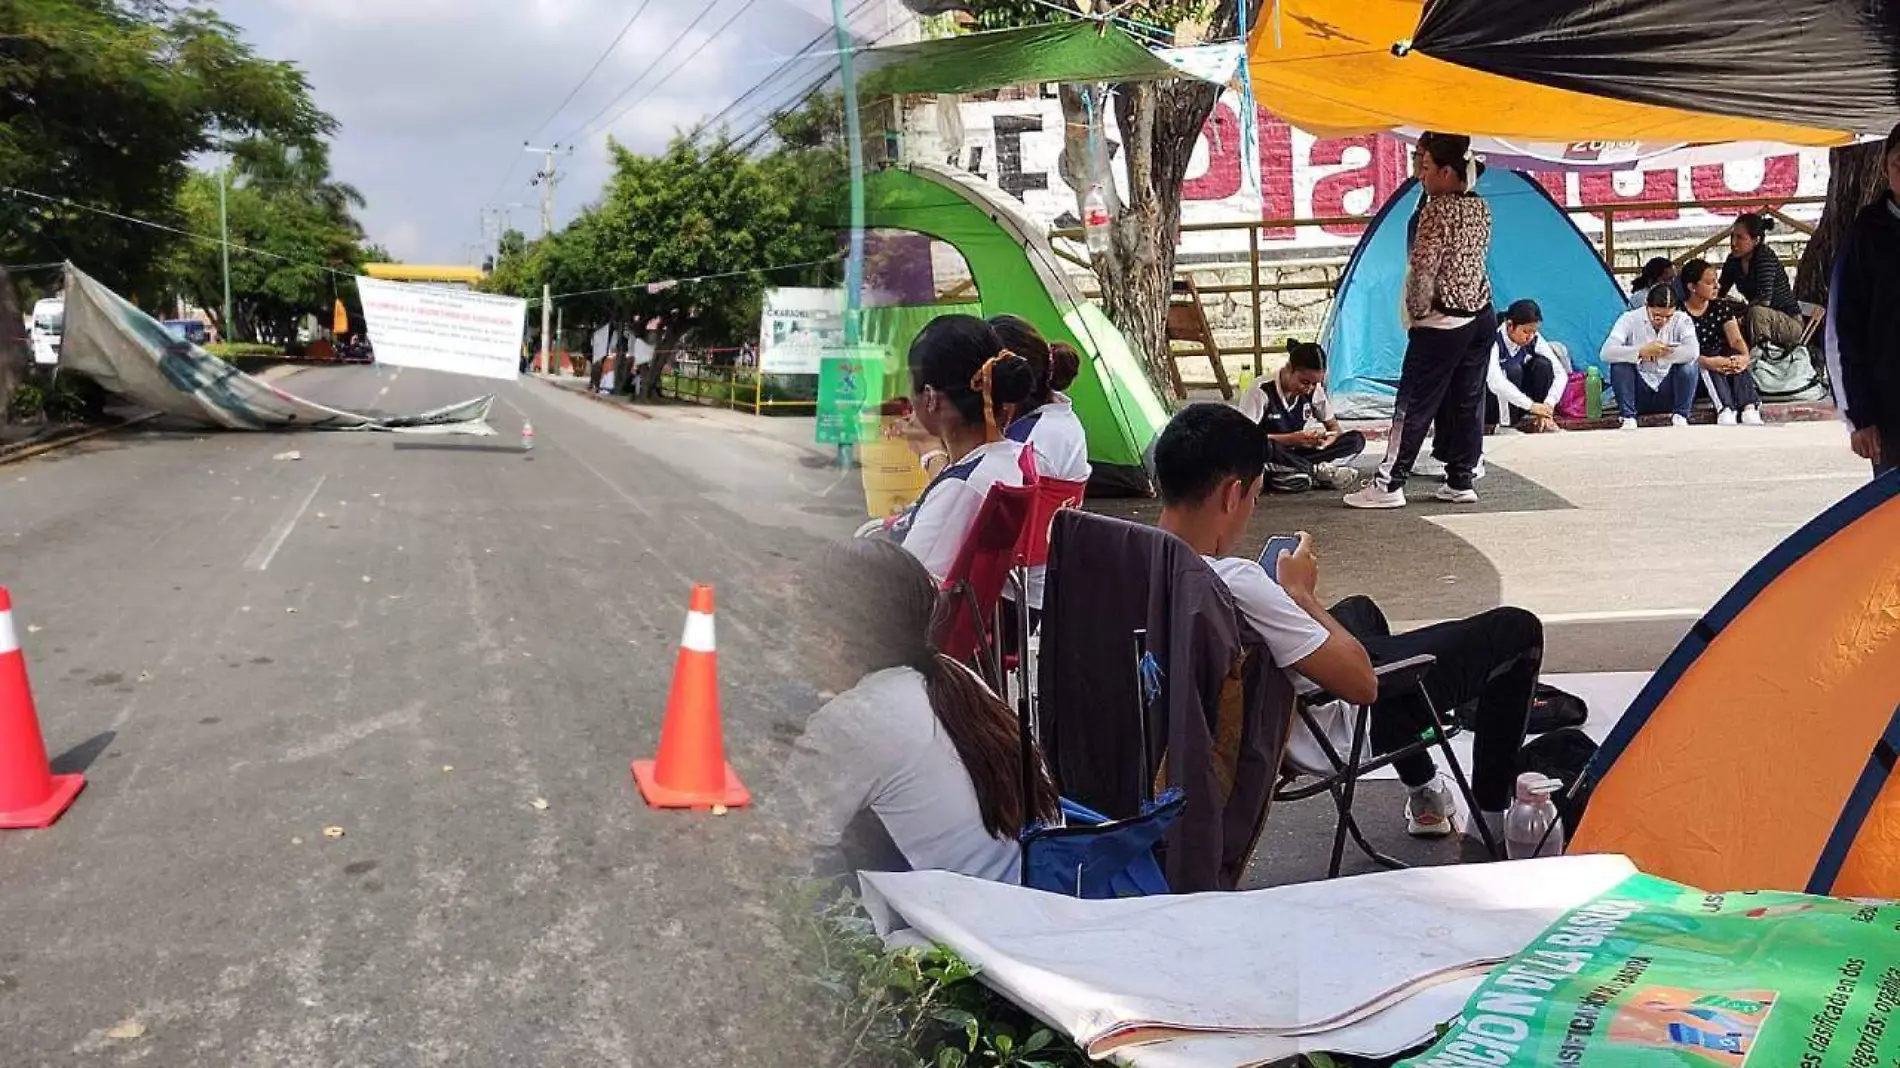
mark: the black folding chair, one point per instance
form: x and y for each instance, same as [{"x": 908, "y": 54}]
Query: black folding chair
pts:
[{"x": 1341, "y": 778}]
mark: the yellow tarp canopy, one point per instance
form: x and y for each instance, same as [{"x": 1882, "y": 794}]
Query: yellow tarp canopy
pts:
[{"x": 1332, "y": 72}]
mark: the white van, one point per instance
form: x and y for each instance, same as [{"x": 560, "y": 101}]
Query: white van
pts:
[{"x": 49, "y": 323}]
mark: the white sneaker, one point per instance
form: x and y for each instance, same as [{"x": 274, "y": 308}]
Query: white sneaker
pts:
[
  {"x": 1338, "y": 477},
  {"x": 1428, "y": 467},
  {"x": 1431, "y": 811},
  {"x": 1457, "y": 496},
  {"x": 1677, "y": 420},
  {"x": 1478, "y": 471},
  {"x": 1751, "y": 417},
  {"x": 1373, "y": 495},
  {"x": 1627, "y": 424},
  {"x": 1725, "y": 417}
]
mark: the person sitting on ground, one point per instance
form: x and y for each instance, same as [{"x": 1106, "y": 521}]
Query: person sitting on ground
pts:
[
  {"x": 1774, "y": 316},
  {"x": 1047, "y": 421},
  {"x": 1652, "y": 355},
  {"x": 964, "y": 384},
  {"x": 1723, "y": 354},
  {"x": 1658, "y": 271},
  {"x": 916, "y": 745},
  {"x": 1208, "y": 462},
  {"x": 1284, "y": 406},
  {"x": 1527, "y": 377}
]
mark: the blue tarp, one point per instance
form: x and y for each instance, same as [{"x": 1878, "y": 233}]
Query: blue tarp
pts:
[{"x": 1536, "y": 252}]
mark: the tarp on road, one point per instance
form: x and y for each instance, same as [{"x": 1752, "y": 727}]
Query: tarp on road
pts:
[{"x": 131, "y": 354}]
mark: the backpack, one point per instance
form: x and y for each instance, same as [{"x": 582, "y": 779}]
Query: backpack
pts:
[
  {"x": 1786, "y": 374},
  {"x": 1564, "y": 755},
  {"x": 1551, "y": 709}
]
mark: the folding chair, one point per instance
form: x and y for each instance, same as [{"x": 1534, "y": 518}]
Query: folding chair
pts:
[
  {"x": 1340, "y": 777},
  {"x": 967, "y": 603}
]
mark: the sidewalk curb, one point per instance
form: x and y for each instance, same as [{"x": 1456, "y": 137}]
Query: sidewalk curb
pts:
[
  {"x": 592, "y": 396},
  {"x": 30, "y": 451}
]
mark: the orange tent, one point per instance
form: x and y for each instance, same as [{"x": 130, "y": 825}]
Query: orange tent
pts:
[
  {"x": 1329, "y": 67},
  {"x": 1759, "y": 756}
]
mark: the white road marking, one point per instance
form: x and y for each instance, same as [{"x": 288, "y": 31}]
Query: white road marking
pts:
[{"x": 266, "y": 550}]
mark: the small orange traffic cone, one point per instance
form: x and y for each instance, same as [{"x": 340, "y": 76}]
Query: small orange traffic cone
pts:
[
  {"x": 691, "y": 770},
  {"x": 30, "y": 794}
]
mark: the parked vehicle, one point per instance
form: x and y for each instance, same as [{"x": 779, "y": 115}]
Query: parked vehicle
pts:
[
  {"x": 192, "y": 330},
  {"x": 49, "y": 324}
]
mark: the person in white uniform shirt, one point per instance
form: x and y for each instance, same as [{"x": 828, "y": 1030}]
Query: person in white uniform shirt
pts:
[
  {"x": 1527, "y": 377},
  {"x": 1300, "y": 455},
  {"x": 1653, "y": 357},
  {"x": 916, "y": 747},
  {"x": 1208, "y": 462},
  {"x": 1047, "y": 425},
  {"x": 964, "y": 385}
]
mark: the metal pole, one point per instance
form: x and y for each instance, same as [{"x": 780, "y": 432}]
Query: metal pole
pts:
[
  {"x": 854, "y": 265},
  {"x": 560, "y": 323},
  {"x": 547, "y": 305},
  {"x": 224, "y": 235}
]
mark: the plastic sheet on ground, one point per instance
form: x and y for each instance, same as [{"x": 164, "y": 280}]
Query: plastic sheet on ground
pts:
[
  {"x": 1288, "y": 961},
  {"x": 129, "y": 353}
]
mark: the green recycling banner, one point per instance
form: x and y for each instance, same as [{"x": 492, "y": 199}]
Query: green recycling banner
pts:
[
  {"x": 1656, "y": 974},
  {"x": 850, "y": 390}
]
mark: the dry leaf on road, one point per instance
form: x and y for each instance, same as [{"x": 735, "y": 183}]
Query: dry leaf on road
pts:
[{"x": 333, "y": 832}]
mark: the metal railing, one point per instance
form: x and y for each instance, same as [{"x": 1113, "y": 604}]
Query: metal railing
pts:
[{"x": 722, "y": 383}]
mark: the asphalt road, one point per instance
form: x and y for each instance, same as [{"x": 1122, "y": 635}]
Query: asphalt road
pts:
[{"x": 418, "y": 641}]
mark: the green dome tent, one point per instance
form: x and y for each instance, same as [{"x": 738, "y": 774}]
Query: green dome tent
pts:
[{"x": 1016, "y": 273}]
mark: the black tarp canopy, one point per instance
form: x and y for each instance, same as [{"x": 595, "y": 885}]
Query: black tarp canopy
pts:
[{"x": 1826, "y": 64}]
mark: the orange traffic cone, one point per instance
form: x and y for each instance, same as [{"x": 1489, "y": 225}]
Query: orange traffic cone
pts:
[
  {"x": 30, "y": 794},
  {"x": 691, "y": 770}
]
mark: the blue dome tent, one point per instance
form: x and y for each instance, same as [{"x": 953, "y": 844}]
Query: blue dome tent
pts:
[{"x": 1536, "y": 252}]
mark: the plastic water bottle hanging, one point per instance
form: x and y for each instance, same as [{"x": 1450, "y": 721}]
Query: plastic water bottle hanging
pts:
[{"x": 1095, "y": 221}]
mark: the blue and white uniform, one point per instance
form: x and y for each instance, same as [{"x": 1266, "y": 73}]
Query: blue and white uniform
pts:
[
  {"x": 1062, "y": 452},
  {"x": 936, "y": 525}
]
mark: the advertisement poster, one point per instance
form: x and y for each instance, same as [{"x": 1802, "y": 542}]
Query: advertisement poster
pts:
[
  {"x": 850, "y": 390},
  {"x": 1657, "y": 974},
  {"x": 797, "y": 328},
  {"x": 436, "y": 329}
]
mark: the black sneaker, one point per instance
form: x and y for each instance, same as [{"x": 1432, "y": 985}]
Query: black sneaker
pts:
[{"x": 1289, "y": 482}]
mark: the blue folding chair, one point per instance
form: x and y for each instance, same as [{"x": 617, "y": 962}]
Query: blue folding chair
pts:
[{"x": 1091, "y": 856}]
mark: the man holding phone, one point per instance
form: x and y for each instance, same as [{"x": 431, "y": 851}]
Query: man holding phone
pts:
[
  {"x": 1653, "y": 354},
  {"x": 1209, "y": 462}
]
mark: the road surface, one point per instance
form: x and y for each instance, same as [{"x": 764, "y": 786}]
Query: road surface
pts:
[{"x": 417, "y": 640}]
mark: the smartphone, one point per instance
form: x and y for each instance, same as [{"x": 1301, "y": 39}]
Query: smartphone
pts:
[{"x": 1270, "y": 556}]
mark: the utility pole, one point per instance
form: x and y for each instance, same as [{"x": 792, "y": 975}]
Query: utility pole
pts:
[
  {"x": 224, "y": 235},
  {"x": 546, "y": 179}
]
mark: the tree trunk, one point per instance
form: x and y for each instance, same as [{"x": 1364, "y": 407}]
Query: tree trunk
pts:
[
  {"x": 1856, "y": 178},
  {"x": 16, "y": 350},
  {"x": 1160, "y": 123}
]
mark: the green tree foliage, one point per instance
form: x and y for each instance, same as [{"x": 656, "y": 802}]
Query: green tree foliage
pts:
[
  {"x": 104, "y": 102},
  {"x": 283, "y": 204}
]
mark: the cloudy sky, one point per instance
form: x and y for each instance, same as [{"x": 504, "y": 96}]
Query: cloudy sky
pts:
[{"x": 436, "y": 97}]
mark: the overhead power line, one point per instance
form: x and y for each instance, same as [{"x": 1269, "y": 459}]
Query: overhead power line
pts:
[
  {"x": 591, "y": 71},
  {"x": 622, "y": 95},
  {"x": 807, "y": 50},
  {"x": 63, "y": 202},
  {"x": 687, "y": 58}
]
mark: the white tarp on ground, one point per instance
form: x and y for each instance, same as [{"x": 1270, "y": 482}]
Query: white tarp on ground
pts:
[
  {"x": 433, "y": 328},
  {"x": 129, "y": 353},
  {"x": 1302, "y": 959}
]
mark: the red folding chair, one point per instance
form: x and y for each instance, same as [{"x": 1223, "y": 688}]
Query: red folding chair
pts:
[{"x": 968, "y": 600}]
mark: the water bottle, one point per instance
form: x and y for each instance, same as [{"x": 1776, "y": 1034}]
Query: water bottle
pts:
[
  {"x": 1531, "y": 828},
  {"x": 1095, "y": 221},
  {"x": 527, "y": 436},
  {"x": 1593, "y": 393}
]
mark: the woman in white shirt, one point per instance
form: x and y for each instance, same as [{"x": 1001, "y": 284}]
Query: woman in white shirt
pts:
[
  {"x": 964, "y": 386},
  {"x": 1653, "y": 355},
  {"x": 1047, "y": 422},
  {"x": 917, "y": 742},
  {"x": 1526, "y": 377}
]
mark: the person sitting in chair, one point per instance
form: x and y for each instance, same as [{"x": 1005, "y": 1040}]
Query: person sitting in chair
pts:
[
  {"x": 1284, "y": 405},
  {"x": 1527, "y": 377},
  {"x": 1208, "y": 461}
]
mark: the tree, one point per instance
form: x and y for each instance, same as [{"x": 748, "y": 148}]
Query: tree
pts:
[
  {"x": 1160, "y": 124},
  {"x": 300, "y": 241},
  {"x": 1856, "y": 178},
  {"x": 103, "y": 104}
]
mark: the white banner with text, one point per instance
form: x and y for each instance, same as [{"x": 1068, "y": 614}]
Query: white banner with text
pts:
[{"x": 437, "y": 329}]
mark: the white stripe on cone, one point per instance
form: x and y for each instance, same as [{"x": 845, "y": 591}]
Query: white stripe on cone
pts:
[
  {"x": 9, "y": 640},
  {"x": 699, "y": 632}
]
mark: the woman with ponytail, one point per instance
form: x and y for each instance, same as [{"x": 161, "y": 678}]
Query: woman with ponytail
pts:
[
  {"x": 1451, "y": 327},
  {"x": 916, "y": 741},
  {"x": 966, "y": 385},
  {"x": 1047, "y": 422}
]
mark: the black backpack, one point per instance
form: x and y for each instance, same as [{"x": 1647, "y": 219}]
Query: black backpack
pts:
[{"x": 1551, "y": 709}]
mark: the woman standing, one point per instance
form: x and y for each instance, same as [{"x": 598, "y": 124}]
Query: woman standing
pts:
[
  {"x": 1722, "y": 354},
  {"x": 1451, "y": 328}
]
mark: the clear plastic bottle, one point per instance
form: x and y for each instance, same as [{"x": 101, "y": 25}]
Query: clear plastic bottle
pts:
[
  {"x": 527, "y": 436},
  {"x": 1095, "y": 221},
  {"x": 1531, "y": 827}
]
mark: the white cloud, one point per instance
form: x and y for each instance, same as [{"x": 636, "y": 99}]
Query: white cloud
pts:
[{"x": 436, "y": 96}]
